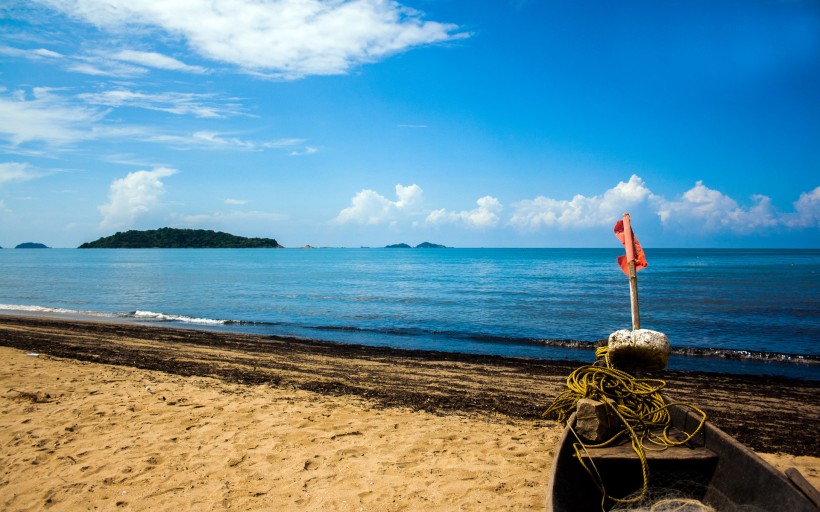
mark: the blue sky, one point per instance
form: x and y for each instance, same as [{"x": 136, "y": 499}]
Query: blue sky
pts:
[{"x": 371, "y": 122}]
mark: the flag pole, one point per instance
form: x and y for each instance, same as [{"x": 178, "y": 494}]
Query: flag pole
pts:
[{"x": 633, "y": 276}]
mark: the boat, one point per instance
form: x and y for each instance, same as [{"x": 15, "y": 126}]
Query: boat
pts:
[{"x": 713, "y": 471}]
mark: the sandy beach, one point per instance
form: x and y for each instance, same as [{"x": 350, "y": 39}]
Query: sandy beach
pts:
[{"x": 127, "y": 417}]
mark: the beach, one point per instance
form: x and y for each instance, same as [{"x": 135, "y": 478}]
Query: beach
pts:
[{"x": 118, "y": 416}]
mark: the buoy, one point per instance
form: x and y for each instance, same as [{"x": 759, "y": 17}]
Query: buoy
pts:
[{"x": 641, "y": 349}]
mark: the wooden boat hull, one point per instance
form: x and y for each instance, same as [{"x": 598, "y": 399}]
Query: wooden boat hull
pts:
[{"x": 714, "y": 469}]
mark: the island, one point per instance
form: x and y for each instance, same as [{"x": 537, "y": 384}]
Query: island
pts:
[
  {"x": 173, "y": 238},
  {"x": 32, "y": 245},
  {"x": 423, "y": 245}
]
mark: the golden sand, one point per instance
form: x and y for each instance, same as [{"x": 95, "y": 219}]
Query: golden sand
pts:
[
  {"x": 86, "y": 436},
  {"x": 380, "y": 430}
]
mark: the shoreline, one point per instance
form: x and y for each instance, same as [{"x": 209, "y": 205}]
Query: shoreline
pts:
[
  {"x": 760, "y": 411},
  {"x": 685, "y": 359}
]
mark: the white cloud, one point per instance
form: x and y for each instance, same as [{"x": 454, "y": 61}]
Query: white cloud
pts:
[
  {"x": 236, "y": 201},
  {"x": 45, "y": 117},
  {"x": 133, "y": 196},
  {"x": 581, "y": 211},
  {"x": 698, "y": 209},
  {"x": 410, "y": 197},
  {"x": 96, "y": 65},
  {"x": 156, "y": 60},
  {"x": 703, "y": 208},
  {"x": 100, "y": 66},
  {"x": 287, "y": 39},
  {"x": 289, "y": 143},
  {"x": 198, "y": 105},
  {"x": 43, "y": 52},
  {"x": 304, "y": 152},
  {"x": 807, "y": 211},
  {"x": 206, "y": 140},
  {"x": 233, "y": 220},
  {"x": 125, "y": 63},
  {"x": 17, "y": 171},
  {"x": 37, "y": 54},
  {"x": 219, "y": 141},
  {"x": 370, "y": 207},
  {"x": 485, "y": 216},
  {"x": 282, "y": 143}
]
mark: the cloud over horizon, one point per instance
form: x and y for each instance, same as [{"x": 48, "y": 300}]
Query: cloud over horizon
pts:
[
  {"x": 483, "y": 217},
  {"x": 807, "y": 210},
  {"x": 581, "y": 211},
  {"x": 371, "y": 208},
  {"x": 699, "y": 209},
  {"x": 133, "y": 196},
  {"x": 712, "y": 210}
]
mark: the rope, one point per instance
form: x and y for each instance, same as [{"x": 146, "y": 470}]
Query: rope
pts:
[
  {"x": 642, "y": 413},
  {"x": 680, "y": 504}
]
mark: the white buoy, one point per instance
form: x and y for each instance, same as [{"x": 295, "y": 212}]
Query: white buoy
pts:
[{"x": 640, "y": 349}]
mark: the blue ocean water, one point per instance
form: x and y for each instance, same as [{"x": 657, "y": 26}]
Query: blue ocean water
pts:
[{"x": 748, "y": 311}]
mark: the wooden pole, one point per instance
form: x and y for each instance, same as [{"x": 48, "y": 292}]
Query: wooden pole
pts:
[{"x": 633, "y": 276}]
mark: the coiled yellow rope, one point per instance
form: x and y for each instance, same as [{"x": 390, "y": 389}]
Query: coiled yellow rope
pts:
[{"x": 637, "y": 403}]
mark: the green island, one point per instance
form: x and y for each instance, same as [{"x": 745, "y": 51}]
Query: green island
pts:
[
  {"x": 173, "y": 238},
  {"x": 423, "y": 245}
]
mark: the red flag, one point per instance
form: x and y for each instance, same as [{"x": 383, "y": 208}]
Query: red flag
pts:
[{"x": 640, "y": 257}]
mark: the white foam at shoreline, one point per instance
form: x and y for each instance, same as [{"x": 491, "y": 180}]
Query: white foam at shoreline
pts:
[
  {"x": 686, "y": 352},
  {"x": 35, "y": 309},
  {"x": 62, "y": 311},
  {"x": 141, "y": 315},
  {"x": 150, "y": 315}
]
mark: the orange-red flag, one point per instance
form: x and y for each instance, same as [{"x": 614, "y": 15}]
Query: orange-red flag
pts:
[{"x": 640, "y": 257}]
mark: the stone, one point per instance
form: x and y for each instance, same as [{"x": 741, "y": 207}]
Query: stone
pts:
[
  {"x": 638, "y": 350},
  {"x": 593, "y": 421}
]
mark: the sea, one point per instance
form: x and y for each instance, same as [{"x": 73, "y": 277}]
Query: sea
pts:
[{"x": 749, "y": 311}]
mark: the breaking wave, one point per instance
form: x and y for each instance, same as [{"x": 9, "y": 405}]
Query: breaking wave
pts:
[
  {"x": 162, "y": 317},
  {"x": 60, "y": 311}
]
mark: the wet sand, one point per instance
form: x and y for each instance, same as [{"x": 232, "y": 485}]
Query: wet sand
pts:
[{"x": 122, "y": 416}]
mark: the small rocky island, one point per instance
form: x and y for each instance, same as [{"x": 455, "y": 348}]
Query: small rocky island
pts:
[
  {"x": 173, "y": 238},
  {"x": 423, "y": 245},
  {"x": 31, "y": 245}
]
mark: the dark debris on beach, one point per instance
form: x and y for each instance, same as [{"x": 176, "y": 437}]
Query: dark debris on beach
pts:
[{"x": 768, "y": 414}]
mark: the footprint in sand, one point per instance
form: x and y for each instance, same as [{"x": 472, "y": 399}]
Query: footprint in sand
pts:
[{"x": 314, "y": 463}]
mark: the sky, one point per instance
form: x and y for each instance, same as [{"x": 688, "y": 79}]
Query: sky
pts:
[{"x": 468, "y": 123}]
